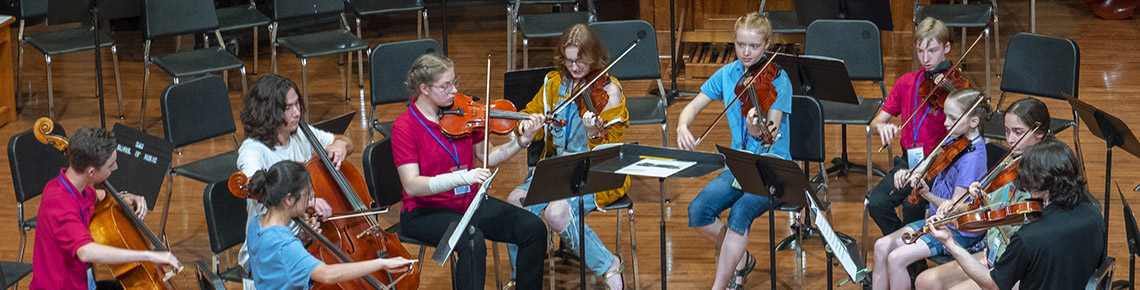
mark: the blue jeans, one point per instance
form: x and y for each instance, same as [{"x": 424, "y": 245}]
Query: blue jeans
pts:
[
  {"x": 598, "y": 258},
  {"x": 718, "y": 196}
]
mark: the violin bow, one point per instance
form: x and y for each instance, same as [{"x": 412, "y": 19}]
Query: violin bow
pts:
[
  {"x": 955, "y": 66},
  {"x": 487, "y": 117},
  {"x": 992, "y": 174},
  {"x": 725, "y": 111},
  {"x": 640, "y": 36}
]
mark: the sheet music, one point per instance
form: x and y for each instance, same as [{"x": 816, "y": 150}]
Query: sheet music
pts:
[
  {"x": 655, "y": 167},
  {"x": 837, "y": 247},
  {"x": 443, "y": 251}
]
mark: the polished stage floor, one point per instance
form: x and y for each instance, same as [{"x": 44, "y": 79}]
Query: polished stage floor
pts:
[{"x": 1107, "y": 49}]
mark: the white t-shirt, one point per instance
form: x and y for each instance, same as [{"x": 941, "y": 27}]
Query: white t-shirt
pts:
[{"x": 254, "y": 155}]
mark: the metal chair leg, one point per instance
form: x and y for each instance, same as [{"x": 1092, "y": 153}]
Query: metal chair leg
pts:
[
  {"x": 273, "y": 47},
  {"x": 244, "y": 86},
  {"x": 633, "y": 250},
  {"x": 427, "y": 30},
  {"x": 19, "y": 61},
  {"x": 526, "y": 53},
  {"x": 146, "y": 80},
  {"x": 51, "y": 94},
  {"x": 305, "y": 85}
]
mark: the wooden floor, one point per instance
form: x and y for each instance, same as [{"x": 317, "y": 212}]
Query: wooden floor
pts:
[{"x": 1107, "y": 48}]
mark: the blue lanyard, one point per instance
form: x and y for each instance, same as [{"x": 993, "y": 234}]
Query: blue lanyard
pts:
[
  {"x": 918, "y": 103},
  {"x": 454, "y": 155},
  {"x": 82, "y": 211}
]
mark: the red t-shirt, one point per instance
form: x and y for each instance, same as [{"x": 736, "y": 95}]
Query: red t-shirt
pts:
[
  {"x": 417, "y": 140},
  {"x": 61, "y": 230},
  {"x": 903, "y": 101}
]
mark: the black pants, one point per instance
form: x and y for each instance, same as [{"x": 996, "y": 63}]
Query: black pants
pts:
[
  {"x": 496, "y": 220},
  {"x": 881, "y": 203}
]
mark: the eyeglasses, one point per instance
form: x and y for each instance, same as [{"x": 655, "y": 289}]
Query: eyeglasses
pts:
[
  {"x": 448, "y": 85},
  {"x": 583, "y": 62}
]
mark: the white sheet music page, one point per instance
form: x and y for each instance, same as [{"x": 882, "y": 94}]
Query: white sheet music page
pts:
[{"x": 837, "y": 247}]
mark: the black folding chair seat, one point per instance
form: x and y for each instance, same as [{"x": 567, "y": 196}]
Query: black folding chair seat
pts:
[
  {"x": 995, "y": 127},
  {"x": 240, "y": 17},
  {"x": 322, "y": 43},
  {"x": 68, "y": 40},
  {"x": 550, "y": 25},
  {"x": 376, "y": 7},
  {"x": 197, "y": 62},
  {"x": 954, "y": 15},
  {"x": 209, "y": 170},
  {"x": 645, "y": 110},
  {"x": 14, "y": 271}
]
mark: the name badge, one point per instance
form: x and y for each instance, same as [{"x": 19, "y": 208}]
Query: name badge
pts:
[
  {"x": 914, "y": 156},
  {"x": 465, "y": 189}
]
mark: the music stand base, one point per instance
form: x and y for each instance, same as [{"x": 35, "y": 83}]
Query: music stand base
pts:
[{"x": 811, "y": 232}]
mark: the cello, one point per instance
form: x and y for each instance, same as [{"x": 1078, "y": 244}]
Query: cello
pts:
[
  {"x": 359, "y": 238},
  {"x": 115, "y": 224}
]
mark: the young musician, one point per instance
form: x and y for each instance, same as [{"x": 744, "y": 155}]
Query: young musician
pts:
[
  {"x": 579, "y": 54},
  {"x": 440, "y": 178},
  {"x": 731, "y": 237},
  {"x": 1019, "y": 120},
  {"x": 892, "y": 255},
  {"x": 1060, "y": 250},
  {"x": 271, "y": 115},
  {"x": 278, "y": 259},
  {"x": 64, "y": 250},
  {"x": 918, "y": 136}
]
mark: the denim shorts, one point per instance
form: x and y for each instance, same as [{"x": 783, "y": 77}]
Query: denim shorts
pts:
[
  {"x": 971, "y": 244},
  {"x": 718, "y": 196}
]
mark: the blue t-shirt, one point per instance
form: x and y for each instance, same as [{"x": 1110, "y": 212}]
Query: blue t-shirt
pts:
[
  {"x": 969, "y": 168},
  {"x": 720, "y": 86},
  {"x": 277, "y": 259}
]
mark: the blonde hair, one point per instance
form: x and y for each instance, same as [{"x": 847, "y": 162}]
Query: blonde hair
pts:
[
  {"x": 589, "y": 46},
  {"x": 966, "y": 97},
  {"x": 933, "y": 30},
  {"x": 754, "y": 20},
  {"x": 426, "y": 70}
]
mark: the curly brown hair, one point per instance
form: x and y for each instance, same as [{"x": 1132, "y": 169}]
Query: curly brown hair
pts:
[{"x": 263, "y": 108}]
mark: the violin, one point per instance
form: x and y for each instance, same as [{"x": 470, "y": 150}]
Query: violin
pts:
[
  {"x": 944, "y": 155},
  {"x": 1005, "y": 170},
  {"x": 115, "y": 224},
  {"x": 983, "y": 218},
  {"x": 237, "y": 185},
  {"x": 595, "y": 97},
  {"x": 754, "y": 90},
  {"x": 466, "y": 115},
  {"x": 942, "y": 84}
]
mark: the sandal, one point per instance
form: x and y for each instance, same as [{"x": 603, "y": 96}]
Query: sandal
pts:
[
  {"x": 614, "y": 272},
  {"x": 742, "y": 274}
]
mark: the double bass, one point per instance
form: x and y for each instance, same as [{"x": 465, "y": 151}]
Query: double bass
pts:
[{"x": 115, "y": 224}]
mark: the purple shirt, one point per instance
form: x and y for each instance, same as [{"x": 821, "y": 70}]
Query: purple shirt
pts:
[{"x": 969, "y": 168}]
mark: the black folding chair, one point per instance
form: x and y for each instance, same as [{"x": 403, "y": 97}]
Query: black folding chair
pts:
[
  {"x": 390, "y": 63},
  {"x": 316, "y": 44},
  {"x": 33, "y": 165},
  {"x": 549, "y": 25}
]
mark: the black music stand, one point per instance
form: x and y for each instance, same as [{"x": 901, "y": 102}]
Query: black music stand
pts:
[
  {"x": 63, "y": 11},
  {"x": 553, "y": 173},
  {"x": 837, "y": 247},
  {"x": 143, "y": 162},
  {"x": 876, "y": 11},
  {"x": 777, "y": 178},
  {"x": 825, "y": 79},
  {"x": 1133, "y": 240},
  {"x": 632, "y": 153},
  {"x": 1115, "y": 134}
]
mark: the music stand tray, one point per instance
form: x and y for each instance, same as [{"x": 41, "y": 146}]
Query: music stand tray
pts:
[{"x": 820, "y": 77}]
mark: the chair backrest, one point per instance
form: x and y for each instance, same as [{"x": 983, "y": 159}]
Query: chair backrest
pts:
[
  {"x": 65, "y": 11},
  {"x": 285, "y": 10},
  {"x": 1102, "y": 278},
  {"x": 196, "y": 110},
  {"x": 642, "y": 63},
  {"x": 1130, "y": 229},
  {"x": 25, "y": 9},
  {"x": 520, "y": 86},
  {"x": 390, "y": 64},
  {"x": 33, "y": 164},
  {"x": 856, "y": 42},
  {"x": 1042, "y": 66},
  {"x": 994, "y": 152},
  {"x": 380, "y": 173},
  {"x": 807, "y": 130},
  {"x": 176, "y": 17},
  {"x": 225, "y": 217}
]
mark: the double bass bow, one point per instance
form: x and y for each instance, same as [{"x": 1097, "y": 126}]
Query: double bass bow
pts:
[
  {"x": 944, "y": 82},
  {"x": 115, "y": 224}
]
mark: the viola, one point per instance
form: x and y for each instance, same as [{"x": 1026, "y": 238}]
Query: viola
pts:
[
  {"x": 465, "y": 115},
  {"x": 595, "y": 97},
  {"x": 754, "y": 90},
  {"x": 984, "y": 218},
  {"x": 115, "y": 224}
]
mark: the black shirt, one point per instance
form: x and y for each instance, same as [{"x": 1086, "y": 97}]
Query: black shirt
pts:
[{"x": 1059, "y": 251}]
